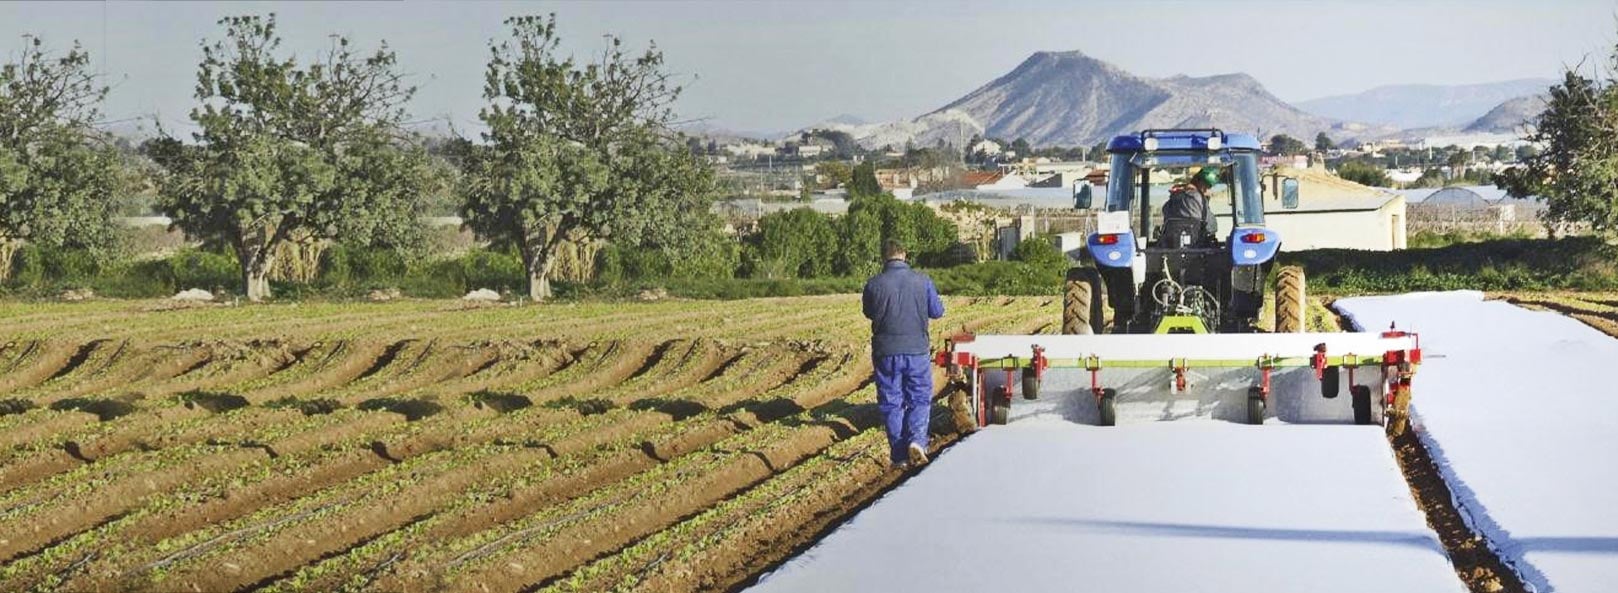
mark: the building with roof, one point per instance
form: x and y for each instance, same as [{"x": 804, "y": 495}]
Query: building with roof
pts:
[
  {"x": 1333, "y": 213},
  {"x": 980, "y": 178}
]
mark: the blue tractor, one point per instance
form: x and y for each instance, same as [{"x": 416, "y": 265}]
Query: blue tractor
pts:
[
  {"x": 1174, "y": 275},
  {"x": 1202, "y": 281}
]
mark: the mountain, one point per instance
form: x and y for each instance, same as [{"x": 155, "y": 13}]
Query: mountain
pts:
[
  {"x": 1424, "y": 105},
  {"x": 845, "y": 119},
  {"x": 954, "y": 127},
  {"x": 719, "y": 133},
  {"x": 1508, "y": 117},
  {"x": 1070, "y": 99}
]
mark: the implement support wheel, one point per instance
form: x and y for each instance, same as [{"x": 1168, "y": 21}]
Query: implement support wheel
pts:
[
  {"x": 1000, "y": 404},
  {"x": 1362, "y": 403},
  {"x": 1108, "y": 413},
  {"x": 1291, "y": 306},
  {"x": 1081, "y": 302},
  {"x": 1030, "y": 384},
  {"x": 1255, "y": 406}
]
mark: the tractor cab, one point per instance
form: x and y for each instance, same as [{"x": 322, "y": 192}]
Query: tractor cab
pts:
[{"x": 1155, "y": 266}]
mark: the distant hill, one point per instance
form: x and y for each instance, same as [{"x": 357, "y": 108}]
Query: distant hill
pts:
[
  {"x": 845, "y": 119},
  {"x": 719, "y": 133},
  {"x": 1509, "y": 116},
  {"x": 1424, "y": 105},
  {"x": 1070, "y": 99}
]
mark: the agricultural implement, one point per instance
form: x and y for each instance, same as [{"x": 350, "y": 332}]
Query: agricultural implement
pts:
[
  {"x": 1185, "y": 296},
  {"x": 1363, "y": 378}
]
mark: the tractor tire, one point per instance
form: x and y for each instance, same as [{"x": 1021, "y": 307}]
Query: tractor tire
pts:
[
  {"x": 1362, "y": 403},
  {"x": 1081, "y": 302},
  {"x": 1255, "y": 407},
  {"x": 1030, "y": 384},
  {"x": 1291, "y": 304},
  {"x": 1108, "y": 411}
]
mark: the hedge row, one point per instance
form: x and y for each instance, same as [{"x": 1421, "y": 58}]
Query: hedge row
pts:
[{"x": 1575, "y": 263}]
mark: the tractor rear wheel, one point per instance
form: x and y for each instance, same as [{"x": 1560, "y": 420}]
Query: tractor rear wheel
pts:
[
  {"x": 1108, "y": 412},
  {"x": 1291, "y": 306},
  {"x": 1081, "y": 302}
]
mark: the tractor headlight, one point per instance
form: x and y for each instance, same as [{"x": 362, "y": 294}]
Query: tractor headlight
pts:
[
  {"x": 1214, "y": 143},
  {"x": 1150, "y": 144}
]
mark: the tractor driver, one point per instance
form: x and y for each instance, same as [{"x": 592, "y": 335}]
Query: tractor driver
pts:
[{"x": 1187, "y": 208}]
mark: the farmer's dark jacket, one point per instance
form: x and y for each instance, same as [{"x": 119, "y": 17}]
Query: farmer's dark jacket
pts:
[{"x": 899, "y": 301}]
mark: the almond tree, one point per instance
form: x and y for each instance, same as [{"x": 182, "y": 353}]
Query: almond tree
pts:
[
  {"x": 56, "y": 177},
  {"x": 577, "y": 152},
  {"x": 292, "y": 149}
]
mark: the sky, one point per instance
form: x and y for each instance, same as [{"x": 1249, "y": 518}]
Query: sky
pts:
[{"x": 775, "y": 66}]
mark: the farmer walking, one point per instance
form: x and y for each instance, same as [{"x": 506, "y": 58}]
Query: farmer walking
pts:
[{"x": 899, "y": 301}]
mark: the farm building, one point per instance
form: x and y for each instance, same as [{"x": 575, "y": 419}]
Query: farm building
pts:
[{"x": 1334, "y": 214}]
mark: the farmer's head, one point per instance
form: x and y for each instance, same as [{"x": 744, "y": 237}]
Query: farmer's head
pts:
[
  {"x": 892, "y": 250},
  {"x": 1205, "y": 178}
]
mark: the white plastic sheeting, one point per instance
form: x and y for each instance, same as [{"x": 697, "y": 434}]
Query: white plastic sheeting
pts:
[
  {"x": 1044, "y": 504},
  {"x": 1520, "y": 410}
]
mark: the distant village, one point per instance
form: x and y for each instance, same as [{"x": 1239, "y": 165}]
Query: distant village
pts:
[
  {"x": 805, "y": 166},
  {"x": 1028, "y": 190}
]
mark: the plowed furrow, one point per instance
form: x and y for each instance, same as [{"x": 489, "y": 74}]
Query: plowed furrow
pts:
[
  {"x": 671, "y": 366},
  {"x": 42, "y": 426},
  {"x": 172, "y": 513},
  {"x": 50, "y": 359},
  {"x": 529, "y": 552},
  {"x": 500, "y": 366},
  {"x": 123, "y": 375},
  {"x": 717, "y": 547},
  {"x": 26, "y": 467},
  {"x": 269, "y": 543},
  {"x": 669, "y": 442},
  {"x": 584, "y": 429},
  {"x": 58, "y": 510}
]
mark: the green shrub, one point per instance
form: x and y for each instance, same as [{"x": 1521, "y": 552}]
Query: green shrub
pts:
[
  {"x": 1433, "y": 239},
  {"x": 1042, "y": 253},
  {"x": 453, "y": 277},
  {"x": 195, "y": 268},
  {"x": 493, "y": 270},
  {"x": 47, "y": 272},
  {"x": 346, "y": 269},
  {"x": 39, "y": 268},
  {"x": 1010, "y": 278}
]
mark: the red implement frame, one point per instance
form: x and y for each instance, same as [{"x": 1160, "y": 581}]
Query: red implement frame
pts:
[{"x": 1398, "y": 366}]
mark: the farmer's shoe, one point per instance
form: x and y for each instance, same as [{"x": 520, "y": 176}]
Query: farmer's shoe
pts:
[{"x": 918, "y": 455}]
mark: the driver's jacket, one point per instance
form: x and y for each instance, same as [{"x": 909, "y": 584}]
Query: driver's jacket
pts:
[{"x": 1187, "y": 203}]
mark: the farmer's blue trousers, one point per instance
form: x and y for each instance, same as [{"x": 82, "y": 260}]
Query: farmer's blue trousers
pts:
[{"x": 904, "y": 393}]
